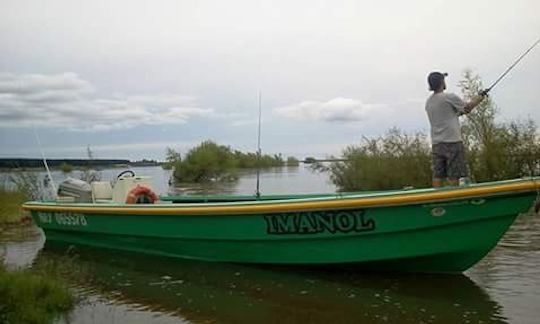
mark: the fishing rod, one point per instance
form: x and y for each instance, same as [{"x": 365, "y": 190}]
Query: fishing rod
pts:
[
  {"x": 258, "y": 192},
  {"x": 44, "y": 160},
  {"x": 512, "y": 66}
]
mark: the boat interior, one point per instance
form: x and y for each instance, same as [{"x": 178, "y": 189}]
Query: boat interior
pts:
[{"x": 118, "y": 192}]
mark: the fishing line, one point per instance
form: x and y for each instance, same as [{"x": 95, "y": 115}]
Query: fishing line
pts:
[{"x": 537, "y": 202}]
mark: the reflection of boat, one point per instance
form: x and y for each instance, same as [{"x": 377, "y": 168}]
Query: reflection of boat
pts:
[
  {"x": 441, "y": 230},
  {"x": 232, "y": 293}
]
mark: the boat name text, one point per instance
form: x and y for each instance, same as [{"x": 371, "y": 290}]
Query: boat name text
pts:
[
  {"x": 68, "y": 219},
  {"x": 319, "y": 222}
]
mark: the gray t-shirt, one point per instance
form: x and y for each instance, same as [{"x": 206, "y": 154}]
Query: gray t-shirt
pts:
[{"x": 443, "y": 110}]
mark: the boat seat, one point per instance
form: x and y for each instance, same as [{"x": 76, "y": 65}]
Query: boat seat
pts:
[{"x": 101, "y": 191}]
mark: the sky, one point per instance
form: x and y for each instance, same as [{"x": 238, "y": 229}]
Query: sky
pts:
[{"x": 130, "y": 78}]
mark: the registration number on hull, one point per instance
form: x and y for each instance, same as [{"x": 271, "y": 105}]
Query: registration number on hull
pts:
[{"x": 64, "y": 219}]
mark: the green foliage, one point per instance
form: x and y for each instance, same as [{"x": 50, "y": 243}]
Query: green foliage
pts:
[
  {"x": 210, "y": 161},
  {"x": 32, "y": 298},
  {"x": 252, "y": 160},
  {"x": 496, "y": 151},
  {"x": 206, "y": 162},
  {"x": 392, "y": 161}
]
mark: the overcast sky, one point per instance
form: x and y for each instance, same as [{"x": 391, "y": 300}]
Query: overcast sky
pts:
[{"x": 130, "y": 78}]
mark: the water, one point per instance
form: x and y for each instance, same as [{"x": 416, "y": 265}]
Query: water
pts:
[
  {"x": 273, "y": 181},
  {"x": 120, "y": 287}
]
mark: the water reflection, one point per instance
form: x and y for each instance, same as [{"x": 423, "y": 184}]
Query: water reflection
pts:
[
  {"x": 511, "y": 272},
  {"x": 135, "y": 288},
  {"x": 231, "y": 293},
  {"x": 20, "y": 246}
]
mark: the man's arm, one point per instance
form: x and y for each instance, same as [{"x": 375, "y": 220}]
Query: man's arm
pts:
[
  {"x": 469, "y": 106},
  {"x": 475, "y": 101}
]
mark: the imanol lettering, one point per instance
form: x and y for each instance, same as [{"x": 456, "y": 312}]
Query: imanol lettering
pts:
[{"x": 319, "y": 222}]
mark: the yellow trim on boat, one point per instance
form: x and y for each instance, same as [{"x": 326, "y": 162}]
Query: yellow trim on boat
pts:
[{"x": 256, "y": 207}]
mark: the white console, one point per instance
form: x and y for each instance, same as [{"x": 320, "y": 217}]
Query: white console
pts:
[{"x": 125, "y": 184}]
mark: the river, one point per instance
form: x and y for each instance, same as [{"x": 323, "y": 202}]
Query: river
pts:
[{"x": 121, "y": 287}]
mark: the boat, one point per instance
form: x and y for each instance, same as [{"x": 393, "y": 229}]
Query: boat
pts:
[{"x": 417, "y": 230}]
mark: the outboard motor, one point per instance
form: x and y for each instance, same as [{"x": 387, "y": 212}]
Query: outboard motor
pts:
[{"x": 79, "y": 190}]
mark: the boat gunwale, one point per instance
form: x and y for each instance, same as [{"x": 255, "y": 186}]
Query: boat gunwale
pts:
[{"x": 330, "y": 202}]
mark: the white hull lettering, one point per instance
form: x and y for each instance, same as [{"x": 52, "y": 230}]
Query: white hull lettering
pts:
[{"x": 63, "y": 219}]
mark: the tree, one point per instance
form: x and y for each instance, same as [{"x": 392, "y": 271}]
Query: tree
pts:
[{"x": 172, "y": 157}]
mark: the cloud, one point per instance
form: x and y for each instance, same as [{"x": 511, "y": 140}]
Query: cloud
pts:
[
  {"x": 67, "y": 101},
  {"x": 334, "y": 110}
]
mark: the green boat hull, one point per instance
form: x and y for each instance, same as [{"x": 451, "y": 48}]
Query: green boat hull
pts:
[{"x": 428, "y": 236}]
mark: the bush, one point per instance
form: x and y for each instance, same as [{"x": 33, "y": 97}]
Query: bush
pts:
[
  {"x": 206, "y": 162},
  {"x": 212, "y": 162},
  {"x": 253, "y": 160},
  {"x": 393, "y": 161}
]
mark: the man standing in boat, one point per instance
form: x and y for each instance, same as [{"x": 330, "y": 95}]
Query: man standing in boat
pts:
[{"x": 443, "y": 110}]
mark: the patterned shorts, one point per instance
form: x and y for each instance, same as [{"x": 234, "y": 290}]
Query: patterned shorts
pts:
[{"x": 448, "y": 160}]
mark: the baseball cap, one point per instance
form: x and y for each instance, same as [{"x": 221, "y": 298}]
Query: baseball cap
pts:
[{"x": 435, "y": 79}]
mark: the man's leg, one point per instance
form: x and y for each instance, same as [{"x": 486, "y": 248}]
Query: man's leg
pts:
[
  {"x": 438, "y": 165},
  {"x": 457, "y": 166}
]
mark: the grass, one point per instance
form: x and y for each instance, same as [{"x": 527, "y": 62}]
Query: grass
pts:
[
  {"x": 10, "y": 206},
  {"x": 32, "y": 297},
  {"x": 28, "y": 296}
]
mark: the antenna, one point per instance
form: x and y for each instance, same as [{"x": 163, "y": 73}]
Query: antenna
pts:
[
  {"x": 258, "y": 192},
  {"x": 44, "y": 160}
]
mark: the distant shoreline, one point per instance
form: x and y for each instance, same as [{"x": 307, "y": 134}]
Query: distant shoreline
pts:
[{"x": 12, "y": 164}]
